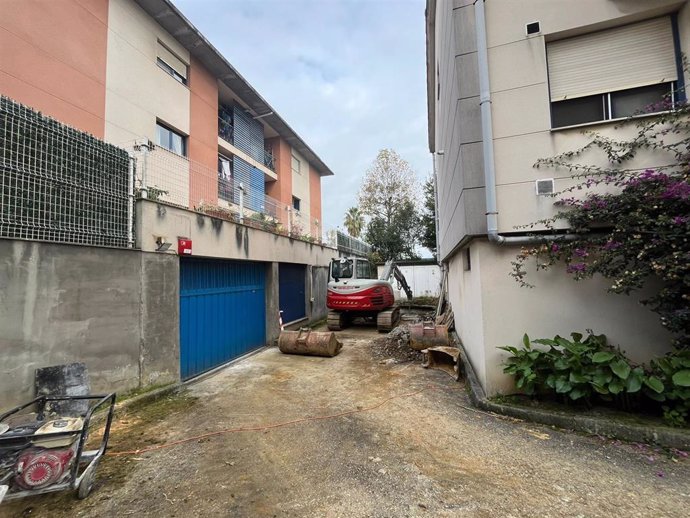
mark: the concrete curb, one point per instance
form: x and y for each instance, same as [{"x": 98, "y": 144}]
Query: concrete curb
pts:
[{"x": 659, "y": 435}]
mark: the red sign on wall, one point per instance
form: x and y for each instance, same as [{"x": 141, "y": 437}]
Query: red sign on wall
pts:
[{"x": 184, "y": 246}]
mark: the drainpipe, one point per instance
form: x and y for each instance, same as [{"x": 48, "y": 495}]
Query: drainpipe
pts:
[
  {"x": 488, "y": 143},
  {"x": 241, "y": 189}
]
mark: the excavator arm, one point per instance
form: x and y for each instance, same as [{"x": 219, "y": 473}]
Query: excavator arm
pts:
[{"x": 391, "y": 270}]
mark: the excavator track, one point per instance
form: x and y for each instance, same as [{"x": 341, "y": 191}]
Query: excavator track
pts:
[
  {"x": 337, "y": 321},
  {"x": 387, "y": 320}
]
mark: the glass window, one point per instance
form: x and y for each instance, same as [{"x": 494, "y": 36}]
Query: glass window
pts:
[
  {"x": 170, "y": 139},
  {"x": 170, "y": 70},
  {"x": 647, "y": 99},
  {"x": 296, "y": 203},
  {"x": 578, "y": 111},
  {"x": 364, "y": 269},
  {"x": 341, "y": 269}
]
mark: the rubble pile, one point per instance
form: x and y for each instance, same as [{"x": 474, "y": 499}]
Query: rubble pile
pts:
[{"x": 396, "y": 346}]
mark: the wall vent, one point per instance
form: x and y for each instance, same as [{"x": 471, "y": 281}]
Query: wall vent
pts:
[
  {"x": 544, "y": 186},
  {"x": 532, "y": 28}
]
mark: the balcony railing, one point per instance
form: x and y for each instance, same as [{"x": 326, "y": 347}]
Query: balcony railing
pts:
[
  {"x": 269, "y": 160},
  {"x": 226, "y": 130}
]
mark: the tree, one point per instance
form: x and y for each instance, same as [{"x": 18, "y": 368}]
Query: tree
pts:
[
  {"x": 354, "y": 221},
  {"x": 428, "y": 217},
  {"x": 387, "y": 197},
  {"x": 397, "y": 239}
]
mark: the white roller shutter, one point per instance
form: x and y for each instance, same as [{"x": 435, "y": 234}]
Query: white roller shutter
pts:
[
  {"x": 615, "y": 59},
  {"x": 172, "y": 60}
]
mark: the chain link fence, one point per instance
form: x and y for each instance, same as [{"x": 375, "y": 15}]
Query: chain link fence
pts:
[{"x": 59, "y": 184}]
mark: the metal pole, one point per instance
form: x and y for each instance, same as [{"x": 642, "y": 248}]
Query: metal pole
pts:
[
  {"x": 144, "y": 186},
  {"x": 241, "y": 189},
  {"x": 130, "y": 204}
]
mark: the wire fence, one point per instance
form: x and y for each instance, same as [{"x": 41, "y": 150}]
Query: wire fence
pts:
[
  {"x": 234, "y": 191},
  {"x": 351, "y": 245},
  {"x": 59, "y": 184}
]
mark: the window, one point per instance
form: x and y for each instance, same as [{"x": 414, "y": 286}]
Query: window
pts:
[
  {"x": 341, "y": 268},
  {"x": 171, "y": 140},
  {"x": 171, "y": 64},
  {"x": 614, "y": 73},
  {"x": 296, "y": 165},
  {"x": 364, "y": 269},
  {"x": 296, "y": 203}
]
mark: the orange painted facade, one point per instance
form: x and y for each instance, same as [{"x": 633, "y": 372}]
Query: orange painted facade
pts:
[
  {"x": 203, "y": 135},
  {"x": 53, "y": 58},
  {"x": 281, "y": 189}
]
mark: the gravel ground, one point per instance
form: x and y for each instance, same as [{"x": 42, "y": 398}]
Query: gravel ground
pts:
[{"x": 405, "y": 442}]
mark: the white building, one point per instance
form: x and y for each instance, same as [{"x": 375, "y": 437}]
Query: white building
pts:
[{"x": 512, "y": 81}]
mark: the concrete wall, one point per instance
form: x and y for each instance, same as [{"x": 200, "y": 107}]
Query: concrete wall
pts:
[
  {"x": 138, "y": 90},
  {"x": 458, "y": 128},
  {"x": 212, "y": 237},
  {"x": 114, "y": 310},
  {"x": 45, "y": 65},
  {"x": 492, "y": 310}
]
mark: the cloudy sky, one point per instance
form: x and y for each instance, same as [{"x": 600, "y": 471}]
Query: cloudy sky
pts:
[{"x": 347, "y": 75}]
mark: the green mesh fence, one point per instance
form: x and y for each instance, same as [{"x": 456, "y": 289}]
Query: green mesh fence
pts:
[{"x": 59, "y": 184}]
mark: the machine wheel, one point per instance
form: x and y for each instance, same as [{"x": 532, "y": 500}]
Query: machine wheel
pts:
[
  {"x": 337, "y": 321},
  {"x": 87, "y": 481},
  {"x": 387, "y": 320}
]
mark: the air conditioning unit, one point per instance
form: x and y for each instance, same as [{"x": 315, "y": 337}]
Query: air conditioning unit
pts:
[{"x": 544, "y": 186}]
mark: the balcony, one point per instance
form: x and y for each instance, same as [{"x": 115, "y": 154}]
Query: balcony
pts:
[{"x": 226, "y": 130}]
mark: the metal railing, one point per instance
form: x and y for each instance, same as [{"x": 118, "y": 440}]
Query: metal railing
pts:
[
  {"x": 166, "y": 177},
  {"x": 226, "y": 130}
]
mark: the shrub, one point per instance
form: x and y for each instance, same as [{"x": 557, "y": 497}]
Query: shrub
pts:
[{"x": 591, "y": 369}]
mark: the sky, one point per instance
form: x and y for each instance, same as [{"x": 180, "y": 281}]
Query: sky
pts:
[{"x": 349, "y": 76}]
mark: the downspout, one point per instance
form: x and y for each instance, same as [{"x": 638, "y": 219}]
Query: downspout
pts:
[{"x": 488, "y": 143}]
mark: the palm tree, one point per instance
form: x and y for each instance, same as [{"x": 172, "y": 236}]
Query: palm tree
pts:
[{"x": 354, "y": 221}]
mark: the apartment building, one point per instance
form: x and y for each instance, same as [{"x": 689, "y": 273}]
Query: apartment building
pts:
[
  {"x": 227, "y": 218},
  {"x": 513, "y": 81}
]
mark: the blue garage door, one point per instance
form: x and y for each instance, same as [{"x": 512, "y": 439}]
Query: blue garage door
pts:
[
  {"x": 222, "y": 312},
  {"x": 292, "y": 291}
]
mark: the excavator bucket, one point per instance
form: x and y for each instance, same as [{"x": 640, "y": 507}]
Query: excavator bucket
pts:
[
  {"x": 446, "y": 359},
  {"x": 308, "y": 342},
  {"x": 427, "y": 334}
]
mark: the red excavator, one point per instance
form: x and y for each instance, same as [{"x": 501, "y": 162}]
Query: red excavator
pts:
[{"x": 354, "y": 291}]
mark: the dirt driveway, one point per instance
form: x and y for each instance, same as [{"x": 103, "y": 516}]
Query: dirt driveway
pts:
[{"x": 409, "y": 444}]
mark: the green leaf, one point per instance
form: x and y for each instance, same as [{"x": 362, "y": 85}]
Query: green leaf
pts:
[
  {"x": 655, "y": 384},
  {"x": 561, "y": 364},
  {"x": 562, "y": 386},
  {"x": 621, "y": 369},
  {"x": 682, "y": 378},
  {"x": 602, "y": 356},
  {"x": 616, "y": 386},
  {"x": 634, "y": 384},
  {"x": 601, "y": 389},
  {"x": 578, "y": 377},
  {"x": 534, "y": 354},
  {"x": 577, "y": 337},
  {"x": 525, "y": 341},
  {"x": 577, "y": 393}
]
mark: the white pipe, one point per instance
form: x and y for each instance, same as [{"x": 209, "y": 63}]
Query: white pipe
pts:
[
  {"x": 488, "y": 142},
  {"x": 241, "y": 189},
  {"x": 144, "y": 186}
]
